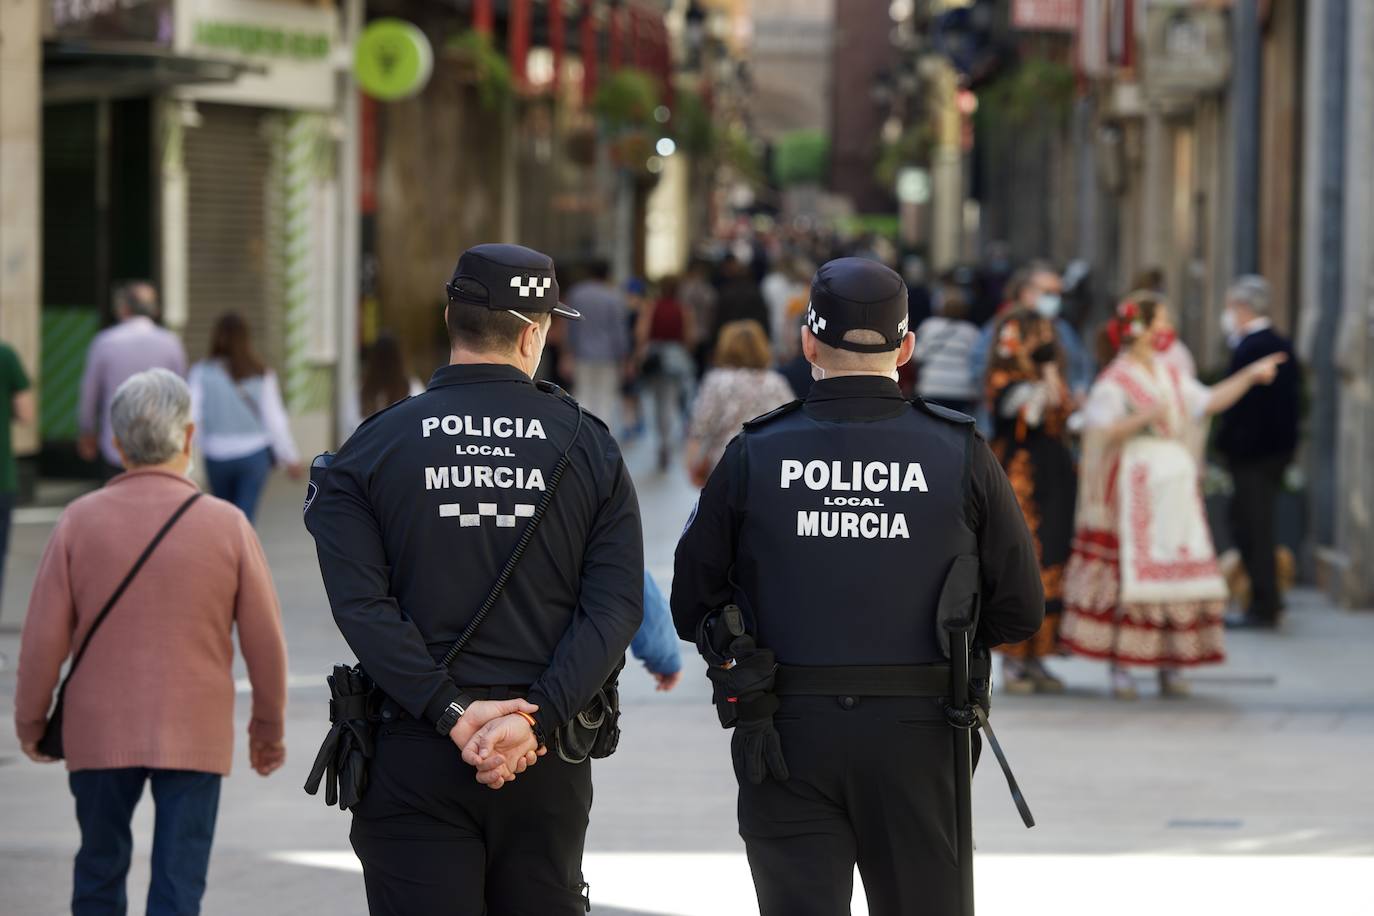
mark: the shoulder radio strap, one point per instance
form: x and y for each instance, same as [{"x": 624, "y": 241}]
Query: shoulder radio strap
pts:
[{"x": 519, "y": 551}]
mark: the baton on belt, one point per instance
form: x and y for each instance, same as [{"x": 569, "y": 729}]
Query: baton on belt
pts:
[{"x": 963, "y": 762}]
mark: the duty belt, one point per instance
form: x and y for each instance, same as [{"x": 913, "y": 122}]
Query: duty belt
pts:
[
  {"x": 864, "y": 680},
  {"x": 899, "y": 681}
]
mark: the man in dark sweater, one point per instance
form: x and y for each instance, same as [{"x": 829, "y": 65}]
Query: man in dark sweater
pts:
[{"x": 1258, "y": 437}]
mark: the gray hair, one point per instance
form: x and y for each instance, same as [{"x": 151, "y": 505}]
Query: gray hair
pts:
[
  {"x": 137, "y": 297},
  {"x": 149, "y": 416},
  {"x": 1251, "y": 289}
]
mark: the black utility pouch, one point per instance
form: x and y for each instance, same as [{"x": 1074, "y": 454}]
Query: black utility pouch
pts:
[
  {"x": 608, "y": 735},
  {"x": 595, "y": 731}
]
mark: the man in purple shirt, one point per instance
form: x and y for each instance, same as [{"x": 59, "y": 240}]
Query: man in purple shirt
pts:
[
  {"x": 134, "y": 344},
  {"x": 599, "y": 344}
]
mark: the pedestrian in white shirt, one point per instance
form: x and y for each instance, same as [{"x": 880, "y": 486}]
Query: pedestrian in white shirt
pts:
[
  {"x": 240, "y": 420},
  {"x": 944, "y": 354}
]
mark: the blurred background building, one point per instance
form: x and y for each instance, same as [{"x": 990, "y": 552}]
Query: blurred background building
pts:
[{"x": 266, "y": 156}]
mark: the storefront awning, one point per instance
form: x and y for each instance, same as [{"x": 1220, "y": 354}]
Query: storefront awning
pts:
[{"x": 84, "y": 71}]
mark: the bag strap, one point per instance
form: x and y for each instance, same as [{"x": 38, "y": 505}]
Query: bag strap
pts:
[
  {"x": 249, "y": 401},
  {"x": 124, "y": 585},
  {"x": 525, "y": 537}
]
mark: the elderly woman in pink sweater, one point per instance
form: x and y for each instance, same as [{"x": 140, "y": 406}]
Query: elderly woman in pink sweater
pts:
[{"x": 153, "y": 699}]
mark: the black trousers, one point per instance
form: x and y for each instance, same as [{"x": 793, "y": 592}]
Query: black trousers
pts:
[
  {"x": 434, "y": 841},
  {"x": 872, "y": 784},
  {"x": 1252, "y": 526}
]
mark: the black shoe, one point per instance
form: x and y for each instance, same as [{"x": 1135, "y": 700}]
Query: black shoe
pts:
[{"x": 1247, "y": 622}]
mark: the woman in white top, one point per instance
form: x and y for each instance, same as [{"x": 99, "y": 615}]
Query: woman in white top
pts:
[
  {"x": 240, "y": 420},
  {"x": 944, "y": 354}
]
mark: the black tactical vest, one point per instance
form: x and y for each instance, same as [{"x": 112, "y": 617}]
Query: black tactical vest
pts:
[{"x": 849, "y": 529}]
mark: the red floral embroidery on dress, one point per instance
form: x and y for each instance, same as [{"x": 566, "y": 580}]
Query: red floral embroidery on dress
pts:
[
  {"x": 1141, "y": 516},
  {"x": 1142, "y": 398}
]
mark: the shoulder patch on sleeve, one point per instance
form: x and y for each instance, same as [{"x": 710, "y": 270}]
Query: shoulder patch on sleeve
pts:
[
  {"x": 941, "y": 413},
  {"x": 772, "y": 415},
  {"x": 318, "y": 468},
  {"x": 387, "y": 409}
]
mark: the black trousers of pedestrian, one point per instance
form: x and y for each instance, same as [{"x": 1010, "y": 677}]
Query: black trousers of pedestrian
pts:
[
  {"x": 1256, "y": 496},
  {"x": 432, "y": 840},
  {"x": 872, "y": 784}
]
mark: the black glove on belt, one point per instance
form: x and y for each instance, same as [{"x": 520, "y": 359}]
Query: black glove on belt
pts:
[
  {"x": 342, "y": 761},
  {"x": 744, "y": 699}
]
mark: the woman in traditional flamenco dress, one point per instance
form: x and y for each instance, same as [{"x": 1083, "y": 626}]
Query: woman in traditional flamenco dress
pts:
[
  {"x": 1142, "y": 585},
  {"x": 1030, "y": 405}
]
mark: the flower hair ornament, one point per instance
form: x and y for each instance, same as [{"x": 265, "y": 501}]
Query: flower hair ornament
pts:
[
  {"x": 1129, "y": 325},
  {"x": 1009, "y": 340}
]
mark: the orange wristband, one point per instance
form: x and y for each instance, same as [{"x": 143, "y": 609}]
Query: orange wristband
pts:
[{"x": 534, "y": 727}]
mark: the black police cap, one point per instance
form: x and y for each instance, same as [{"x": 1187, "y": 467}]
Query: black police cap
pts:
[
  {"x": 507, "y": 277},
  {"x": 851, "y": 294}
]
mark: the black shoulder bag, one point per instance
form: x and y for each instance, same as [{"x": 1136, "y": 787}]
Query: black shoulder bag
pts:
[
  {"x": 355, "y": 700},
  {"x": 50, "y": 744}
]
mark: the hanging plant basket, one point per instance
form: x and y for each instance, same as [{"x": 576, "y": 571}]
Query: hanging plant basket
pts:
[
  {"x": 627, "y": 100},
  {"x": 480, "y": 64}
]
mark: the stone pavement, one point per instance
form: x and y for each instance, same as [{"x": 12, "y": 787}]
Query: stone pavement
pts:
[{"x": 1251, "y": 797}]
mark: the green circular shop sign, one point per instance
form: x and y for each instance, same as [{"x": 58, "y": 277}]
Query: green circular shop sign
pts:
[{"x": 393, "y": 60}]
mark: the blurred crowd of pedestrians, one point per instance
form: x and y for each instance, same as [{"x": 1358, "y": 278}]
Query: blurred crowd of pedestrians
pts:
[
  {"x": 1101, "y": 445},
  {"x": 1081, "y": 430}
]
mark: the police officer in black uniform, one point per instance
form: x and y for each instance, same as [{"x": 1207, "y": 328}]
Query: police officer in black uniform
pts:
[
  {"x": 414, "y": 519},
  {"x": 811, "y": 574}
]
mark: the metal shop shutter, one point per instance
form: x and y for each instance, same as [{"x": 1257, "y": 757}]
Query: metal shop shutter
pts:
[{"x": 229, "y": 265}]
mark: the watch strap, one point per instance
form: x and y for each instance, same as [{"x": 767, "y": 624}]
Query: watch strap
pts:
[{"x": 455, "y": 710}]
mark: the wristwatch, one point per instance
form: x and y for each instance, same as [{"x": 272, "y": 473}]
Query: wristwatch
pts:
[{"x": 452, "y": 714}]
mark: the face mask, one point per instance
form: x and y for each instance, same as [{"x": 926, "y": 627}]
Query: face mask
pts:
[
  {"x": 534, "y": 370},
  {"x": 1163, "y": 340},
  {"x": 1048, "y": 305},
  {"x": 818, "y": 374}
]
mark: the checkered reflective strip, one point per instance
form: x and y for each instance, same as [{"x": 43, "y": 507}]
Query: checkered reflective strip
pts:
[
  {"x": 485, "y": 510},
  {"x": 536, "y": 286},
  {"x": 816, "y": 321}
]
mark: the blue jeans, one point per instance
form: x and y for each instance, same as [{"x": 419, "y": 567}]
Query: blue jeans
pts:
[
  {"x": 184, "y": 827},
  {"x": 240, "y": 480}
]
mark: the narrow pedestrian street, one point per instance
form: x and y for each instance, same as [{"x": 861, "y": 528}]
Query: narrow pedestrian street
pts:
[{"x": 1245, "y": 798}]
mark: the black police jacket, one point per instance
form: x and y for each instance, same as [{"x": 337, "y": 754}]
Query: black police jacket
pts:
[
  {"x": 416, "y": 515},
  {"x": 833, "y": 522}
]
